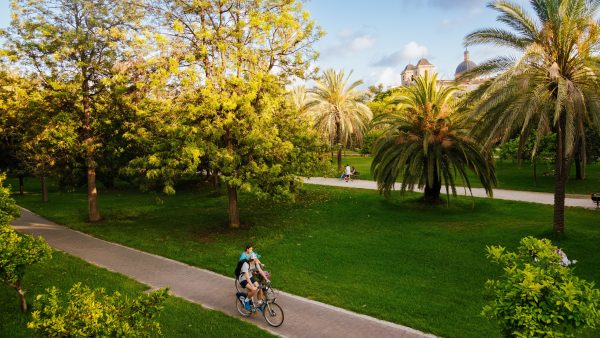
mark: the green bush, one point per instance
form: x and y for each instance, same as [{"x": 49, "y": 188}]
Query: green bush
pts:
[
  {"x": 8, "y": 207},
  {"x": 537, "y": 296},
  {"x": 93, "y": 313},
  {"x": 17, "y": 252}
]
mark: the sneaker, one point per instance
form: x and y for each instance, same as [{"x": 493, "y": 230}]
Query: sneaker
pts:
[
  {"x": 242, "y": 300},
  {"x": 247, "y": 304}
]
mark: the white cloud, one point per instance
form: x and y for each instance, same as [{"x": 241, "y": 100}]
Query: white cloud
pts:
[
  {"x": 348, "y": 42},
  {"x": 389, "y": 77},
  {"x": 362, "y": 42},
  {"x": 413, "y": 50}
]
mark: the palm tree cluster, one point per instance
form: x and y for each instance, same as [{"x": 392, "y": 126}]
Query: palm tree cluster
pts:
[
  {"x": 427, "y": 143},
  {"x": 336, "y": 108},
  {"x": 553, "y": 87}
]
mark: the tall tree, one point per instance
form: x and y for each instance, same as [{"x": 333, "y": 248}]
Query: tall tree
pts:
[
  {"x": 552, "y": 87},
  {"x": 75, "y": 42},
  {"x": 426, "y": 143},
  {"x": 229, "y": 62},
  {"x": 338, "y": 110}
]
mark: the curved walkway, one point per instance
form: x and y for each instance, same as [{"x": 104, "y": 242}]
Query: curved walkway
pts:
[
  {"x": 582, "y": 201},
  {"x": 303, "y": 317}
]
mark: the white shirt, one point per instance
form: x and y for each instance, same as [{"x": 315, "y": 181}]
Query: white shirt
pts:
[{"x": 348, "y": 170}]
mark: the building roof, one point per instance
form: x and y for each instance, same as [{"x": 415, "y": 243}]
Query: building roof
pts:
[
  {"x": 465, "y": 66},
  {"x": 424, "y": 62},
  {"x": 409, "y": 67}
]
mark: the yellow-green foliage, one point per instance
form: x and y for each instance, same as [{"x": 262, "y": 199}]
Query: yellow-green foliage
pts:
[
  {"x": 8, "y": 208},
  {"x": 17, "y": 252},
  {"x": 93, "y": 313},
  {"x": 537, "y": 296}
]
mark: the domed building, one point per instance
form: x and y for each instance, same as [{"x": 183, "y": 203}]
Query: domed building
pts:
[
  {"x": 420, "y": 69},
  {"x": 411, "y": 71},
  {"x": 464, "y": 66}
]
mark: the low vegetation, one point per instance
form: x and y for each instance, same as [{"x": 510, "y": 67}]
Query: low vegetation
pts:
[{"x": 408, "y": 263}]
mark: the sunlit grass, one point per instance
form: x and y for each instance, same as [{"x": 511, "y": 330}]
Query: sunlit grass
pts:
[{"x": 396, "y": 260}]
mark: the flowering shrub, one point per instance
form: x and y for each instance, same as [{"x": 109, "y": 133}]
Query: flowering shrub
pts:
[
  {"x": 93, "y": 313},
  {"x": 537, "y": 295}
]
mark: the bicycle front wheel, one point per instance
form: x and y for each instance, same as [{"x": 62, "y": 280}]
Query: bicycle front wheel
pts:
[{"x": 273, "y": 314}]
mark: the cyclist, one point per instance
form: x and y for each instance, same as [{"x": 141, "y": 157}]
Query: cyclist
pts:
[
  {"x": 257, "y": 268},
  {"x": 248, "y": 281}
]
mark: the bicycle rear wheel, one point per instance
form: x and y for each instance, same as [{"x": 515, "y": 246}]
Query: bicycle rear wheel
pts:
[
  {"x": 241, "y": 308},
  {"x": 273, "y": 314},
  {"x": 238, "y": 287}
]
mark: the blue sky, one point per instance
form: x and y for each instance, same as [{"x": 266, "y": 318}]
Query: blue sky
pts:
[{"x": 377, "y": 38}]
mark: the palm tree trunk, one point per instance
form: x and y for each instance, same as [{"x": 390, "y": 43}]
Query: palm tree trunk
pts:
[
  {"x": 338, "y": 144},
  {"x": 92, "y": 193},
  {"x": 559, "y": 182},
  {"x": 432, "y": 192},
  {"x": 233, "y": 211}
]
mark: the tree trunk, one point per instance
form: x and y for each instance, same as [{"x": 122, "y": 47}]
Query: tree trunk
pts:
[
  {"x": 21, "y": 184},
  {"x": 559, "y": 181},
  {"x": 578, "y": 168},
  {"x": 338, "y": 144},
  {"x": 22, "y": 298},
  {"x": 432, "y": 189},
  {"x": 214, "y": 179},
  {"x": 92, "y": 193},
  {"x": 535, "y": 171},
  {"x": 44, "y": 189},
  {"x": 233, "y": 211}
]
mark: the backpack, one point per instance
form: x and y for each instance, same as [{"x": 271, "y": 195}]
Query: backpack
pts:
[{"x": 238, "y": 268}]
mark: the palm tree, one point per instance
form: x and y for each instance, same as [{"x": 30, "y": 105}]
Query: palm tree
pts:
[
  {"x": 338, "y": 111},
  {"x": 553, "y": 87},
  {"x": 427, "y": 143},
  {"x": 299, "y": 99}
]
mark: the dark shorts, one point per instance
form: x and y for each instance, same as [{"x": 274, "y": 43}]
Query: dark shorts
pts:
[{"x": 245, "y": 282}]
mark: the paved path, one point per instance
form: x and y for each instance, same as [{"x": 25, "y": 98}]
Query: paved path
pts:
[
  {"x": 303, "y": 317},
  {"x": 582, "y": 201}
]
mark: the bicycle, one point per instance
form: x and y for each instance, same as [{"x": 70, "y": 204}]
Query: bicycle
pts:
[{"x": 272, "y": 312}]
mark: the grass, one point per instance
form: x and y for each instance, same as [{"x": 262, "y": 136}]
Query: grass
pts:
[
  {"x": 511, "y": 176},
  {"x": 397, "y": 260},
  {"x": 178, "y": 318}
]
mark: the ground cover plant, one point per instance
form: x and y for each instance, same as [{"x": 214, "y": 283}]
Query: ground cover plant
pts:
[
  {"x": 511, "y": 176},
  {"x": 178, "y": 318},
  {"x": 397, "y": 260}
]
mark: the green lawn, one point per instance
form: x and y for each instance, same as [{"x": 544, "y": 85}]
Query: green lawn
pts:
[
  {"x": 510, "y": 176},
  {"x": 178, "y": 318},
  {"x": 396, "y": 260}
]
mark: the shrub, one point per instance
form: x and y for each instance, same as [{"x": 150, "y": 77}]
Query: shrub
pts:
[
  {"x": 17, "y": 252},
  {"x": 8, "y": 207},
  {"x": 93, "y": 313},
  {"x": 536, "y": 295}
]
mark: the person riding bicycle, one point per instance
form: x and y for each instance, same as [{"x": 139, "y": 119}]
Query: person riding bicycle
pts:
[
  {"x": 248, "y": 281},
  {"x": 257, "y": 271}
]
